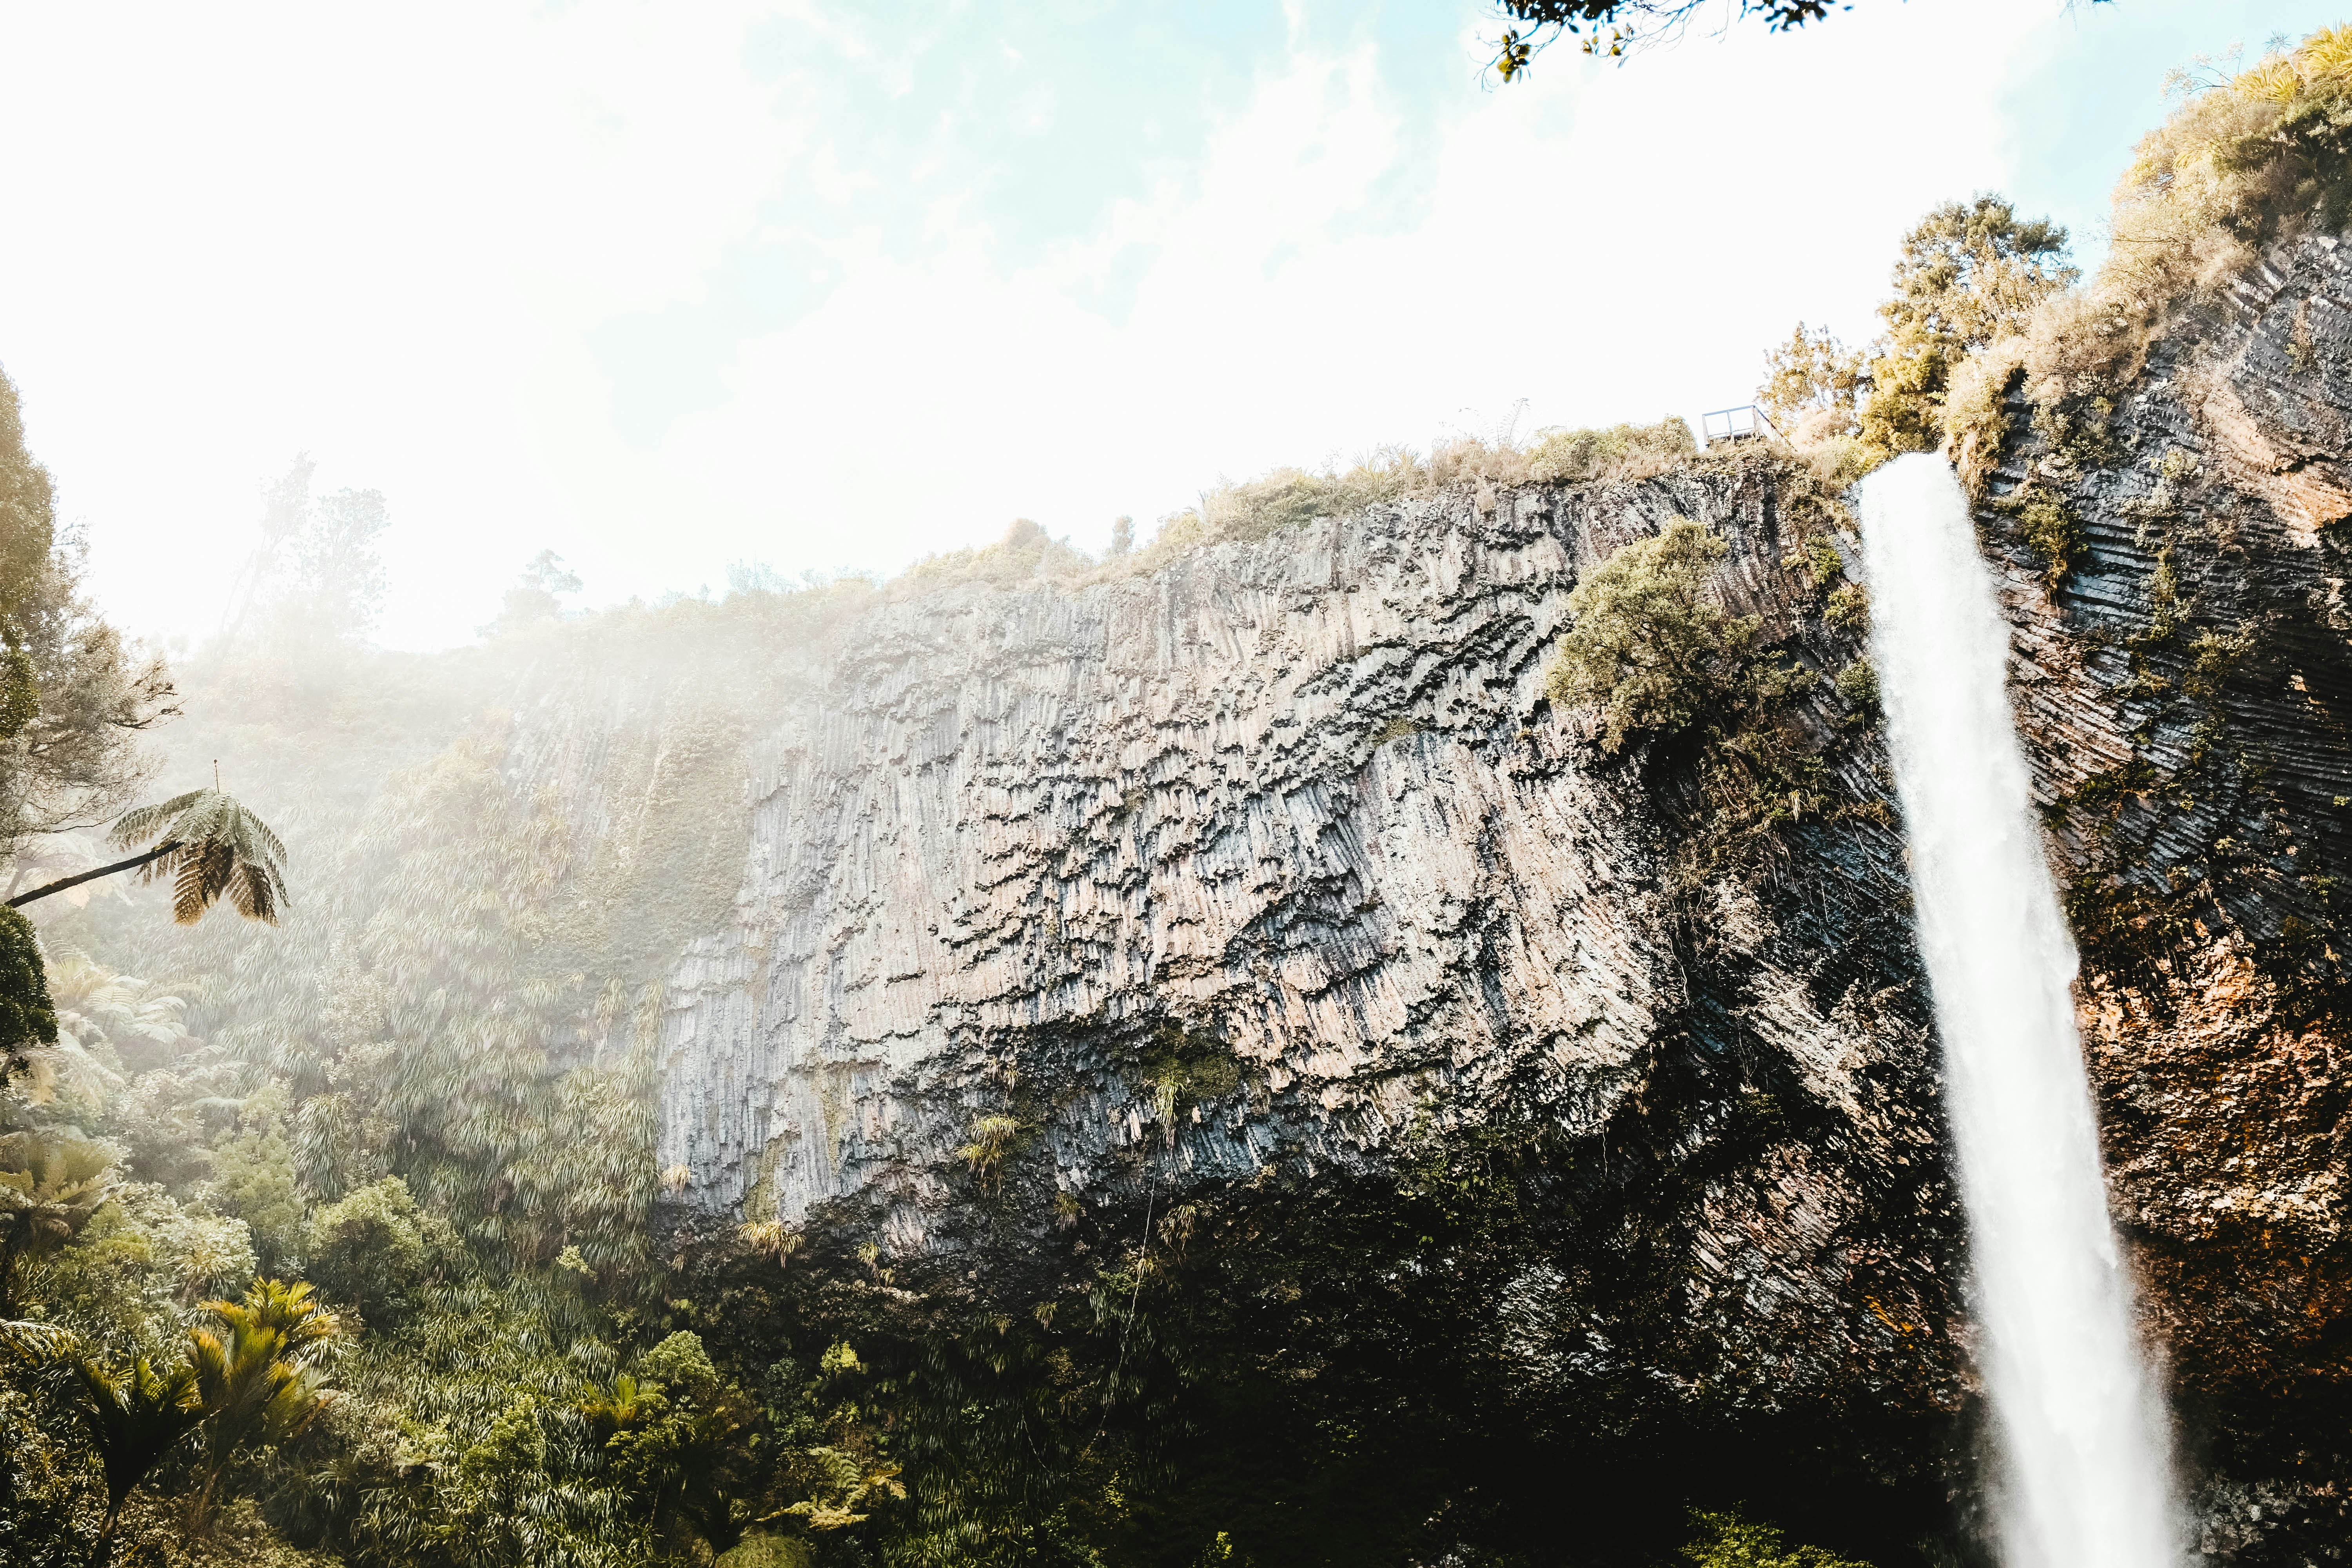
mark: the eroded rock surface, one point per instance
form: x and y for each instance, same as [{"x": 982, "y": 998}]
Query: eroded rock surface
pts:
[
  {"x": 1277, "y": 858},
  {"x": 2184, "y": 691}
]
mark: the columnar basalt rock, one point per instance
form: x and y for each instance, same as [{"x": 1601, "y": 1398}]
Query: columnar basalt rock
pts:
[
  {"x": 1296, "y": 803},
  {"x": 2185, "y": 692},
  {"x": 1291, "y": 796},
  {"x": 1275, "y": 857}
]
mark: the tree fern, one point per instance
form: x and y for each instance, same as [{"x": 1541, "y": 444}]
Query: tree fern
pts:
[
  {"x": 211, "y": 845},
  {"x": 48, "y": 1189}
]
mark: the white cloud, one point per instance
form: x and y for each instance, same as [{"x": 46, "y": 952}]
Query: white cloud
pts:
[{"x": 237, "y": 233}]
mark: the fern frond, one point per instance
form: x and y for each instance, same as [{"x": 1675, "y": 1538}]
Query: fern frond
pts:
[
  {"x": 37, "y": 1342},
  {"x": 215, "y": 846},
  {"x": 139, "y": 824}
]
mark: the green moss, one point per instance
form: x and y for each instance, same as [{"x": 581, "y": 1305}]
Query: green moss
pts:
[
  {"x": 1857, "y": 684},
  {"x": 1849, "y": 609},
  {"x": 2049, "y": 529}
]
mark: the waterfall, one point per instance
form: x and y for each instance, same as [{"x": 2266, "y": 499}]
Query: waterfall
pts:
[{"x": 2083, "y": 1474}]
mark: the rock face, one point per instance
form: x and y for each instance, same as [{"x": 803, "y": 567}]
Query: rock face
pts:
[
  {"x": 1296, "y": 803},
  {"x": 1277, "y": 856},
  {"x": 2184, "y": 692}
]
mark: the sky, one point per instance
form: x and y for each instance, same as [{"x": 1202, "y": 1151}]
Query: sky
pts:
[{"x": 829, "y": 286}]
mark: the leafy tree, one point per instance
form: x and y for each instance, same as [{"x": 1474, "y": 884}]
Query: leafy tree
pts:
[
  {"x": 1809, "y": 376},
  {"x": 27, "y": 1017},
  {"x": 680, "y": 1363},
  {"x": 253, "y": 1176},
  {"x": 674, "y": 1449},
  {"x": 255, "y": 1377},
  {"x": 1648, "y": 647},
  {"x": 50, "y": 1186},
  {"x": 284, "y": 508},
  {"x": 73, "y": 699},
  {"x": 374, "y": 1246},
  {"x": 339, "y": 581},
  {"x": 315, "y": 579},
  {"x": 1628, "y": 23},
  {"x": 1969, "y": 273},
  {"x": 534, "y": 600},
  {"x": 135, "y": 1417}
]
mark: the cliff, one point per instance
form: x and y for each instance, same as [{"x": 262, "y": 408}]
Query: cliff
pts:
[
  {"x": 1218, "y": 1013},
  {"x": 2184, "y": 692},
  {"x": 1061, "y": 903}
]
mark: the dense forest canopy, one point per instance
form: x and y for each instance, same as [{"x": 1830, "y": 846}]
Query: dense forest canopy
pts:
[{"x": 346, "y": 1241}]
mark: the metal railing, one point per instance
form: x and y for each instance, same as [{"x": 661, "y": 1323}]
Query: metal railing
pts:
[{"x": 1744, "y": 422}]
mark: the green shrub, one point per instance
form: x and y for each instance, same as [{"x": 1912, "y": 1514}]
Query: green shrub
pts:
[
  {"x": 1620, "y": 453},
  {"x": 2051, "y": 530},
  {"x": 1858, "y": 684},
  {"x": 761, "y": 1550},
  {"x": 1727, "y": 1541},
  {"x": 992, "y": 1141},
  {"x": 1647, "y": 646},
  {"x": 1817, "y": 557},
  {"x": 253, "y": 1177},
  {"x": 1849, "y": 609},
  {"x": 376, "y": 1246},
  {"x": 1185, "y": 1068},
  {"x": 680, "y": 1364}
]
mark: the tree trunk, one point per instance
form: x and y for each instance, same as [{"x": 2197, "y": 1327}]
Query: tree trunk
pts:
[
  {"x": 62, "y": 883},
  {"x": 102, "y": 1552}
]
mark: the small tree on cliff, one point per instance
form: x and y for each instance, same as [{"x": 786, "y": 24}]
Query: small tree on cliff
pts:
[
  {"x": 1967, "y": 273},
  {"x": 1648, "y": 647}
]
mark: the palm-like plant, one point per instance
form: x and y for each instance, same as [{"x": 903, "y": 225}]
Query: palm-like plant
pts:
[
  {"x": 254, "y": 1378},
  {"x": 99, "y": 1010},
  {"x": 134, "y": 1419},
  {"x": 50, "y": 1186},
  {"x": 36, "y": 1344},
  {"x": 209, "y": 845}
]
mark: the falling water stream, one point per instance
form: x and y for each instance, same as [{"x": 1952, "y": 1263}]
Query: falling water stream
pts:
[{"x": 2083, "y": 1474}]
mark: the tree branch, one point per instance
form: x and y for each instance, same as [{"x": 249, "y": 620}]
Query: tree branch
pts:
[{"x": 62, "y": 884}]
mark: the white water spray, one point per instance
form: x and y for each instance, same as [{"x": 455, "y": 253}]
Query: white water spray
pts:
[{"x": 2084, "y": 1477}]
